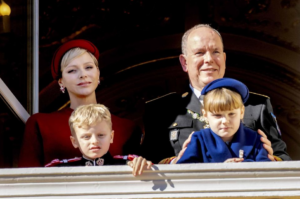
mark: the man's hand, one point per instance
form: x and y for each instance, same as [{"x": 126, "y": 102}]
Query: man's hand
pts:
[
  {"x": 234, "y": 160},
  {"x": 267, "y": 144},
  {"x": 184, "y": 146},
  {"x": 138, "y": 165}
]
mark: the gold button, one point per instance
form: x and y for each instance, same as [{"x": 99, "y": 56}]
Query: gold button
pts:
[
  {"x": 175, "y": 124},
  {"x": 185, "y": 94}
]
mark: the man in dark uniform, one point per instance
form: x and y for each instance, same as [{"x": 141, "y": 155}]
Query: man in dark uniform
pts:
[{"x": 170, "y": 119}]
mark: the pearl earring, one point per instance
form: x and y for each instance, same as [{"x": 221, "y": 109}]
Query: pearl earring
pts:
[{"x": 62, "y": 89}]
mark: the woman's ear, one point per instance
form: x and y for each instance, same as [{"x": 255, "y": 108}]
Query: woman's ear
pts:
[{"x": 60, "y": 82}]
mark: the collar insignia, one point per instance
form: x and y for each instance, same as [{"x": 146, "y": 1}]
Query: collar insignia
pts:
[
  {"x": 100, "y": 162},
  {"x": 88, "y": 163}
]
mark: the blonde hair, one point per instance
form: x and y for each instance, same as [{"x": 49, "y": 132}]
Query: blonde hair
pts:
[
  {"x": 222, "y": 99},
  {"x": 73, "y": 53},
  {"x": 188, "y": 32},
  {"x": 88, "y": 115}
]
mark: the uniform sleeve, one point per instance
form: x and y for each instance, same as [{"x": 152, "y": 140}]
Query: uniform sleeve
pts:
[
  {"x": 193, "y": 153},
  {"x": 31, "y": 153},
  {"x": 271, "y": 129}
]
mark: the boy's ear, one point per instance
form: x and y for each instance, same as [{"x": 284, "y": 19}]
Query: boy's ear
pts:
[
  {"x": 112, "y": 136},
  {"x": 242, "y": 112},
  {"x": 74, "y": 142}
]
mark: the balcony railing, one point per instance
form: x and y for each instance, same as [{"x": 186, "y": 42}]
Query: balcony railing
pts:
[{"x": 224, "y": 180}]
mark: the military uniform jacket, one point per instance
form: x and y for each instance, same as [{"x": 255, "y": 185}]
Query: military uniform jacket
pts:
[
  {"x": 107, "y": 159},
  {"x": 206, "y": 146},
  {"x": 168, "y": 124}
]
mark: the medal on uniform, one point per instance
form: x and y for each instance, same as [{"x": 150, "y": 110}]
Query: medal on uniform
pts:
[
  {"x": 201, "y": 118},
  {"x": 196, "y": 116},
  {"x": 241, "y": 153}
]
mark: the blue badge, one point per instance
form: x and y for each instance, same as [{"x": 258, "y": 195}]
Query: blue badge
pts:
[{"x": 278, "y": 129}]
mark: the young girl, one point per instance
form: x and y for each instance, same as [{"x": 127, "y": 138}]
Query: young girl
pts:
[{"x": 226, "y": 139}]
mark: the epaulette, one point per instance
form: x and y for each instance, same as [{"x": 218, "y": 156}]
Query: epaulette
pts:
[
  {"x": 64, "y": 161},
  {"x": 161, "y": 97},
  {"x": 167, "y": 160},
  {"x": 260, "y": 95}
]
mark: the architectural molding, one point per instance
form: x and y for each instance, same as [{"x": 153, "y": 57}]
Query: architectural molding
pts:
[
  {"x": 13, "y": 103},
  {"x": 247, "y": 180}
]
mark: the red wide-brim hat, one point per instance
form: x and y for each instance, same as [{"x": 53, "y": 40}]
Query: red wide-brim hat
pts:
[{"x": 78, "y": 43}]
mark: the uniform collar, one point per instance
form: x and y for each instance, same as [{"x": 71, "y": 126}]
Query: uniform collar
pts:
[
  {"x": 95, "y": 162},
  {"x": 193, "y": 102}
]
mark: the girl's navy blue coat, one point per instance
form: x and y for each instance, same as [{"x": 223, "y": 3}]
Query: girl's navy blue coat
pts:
[{"x": 206, "y": 146}]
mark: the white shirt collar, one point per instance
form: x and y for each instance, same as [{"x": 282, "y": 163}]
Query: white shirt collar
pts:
[{"x": 197, "y": 93}]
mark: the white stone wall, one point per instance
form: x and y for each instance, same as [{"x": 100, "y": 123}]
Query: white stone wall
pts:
[{"x": 231, "y": 180}]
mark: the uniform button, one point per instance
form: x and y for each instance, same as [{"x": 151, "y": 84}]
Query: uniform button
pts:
[{"x": 175, "y": 124}]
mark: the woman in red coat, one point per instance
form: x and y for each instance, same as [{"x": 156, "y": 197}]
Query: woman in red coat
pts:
[{"x": 47, "y": 136}]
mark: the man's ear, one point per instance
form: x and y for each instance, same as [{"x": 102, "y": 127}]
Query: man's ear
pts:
[
  {"x": 112, "y": 136},
  {"x": 183, "y": 63},
  {"x": 74, "y": 142}
]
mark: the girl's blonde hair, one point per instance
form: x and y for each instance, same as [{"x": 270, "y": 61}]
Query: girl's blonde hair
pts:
[
  {"x": 222, "y": 99},
  {"x": 73, "y": 53},
  {"x": 87, "y": 115}
]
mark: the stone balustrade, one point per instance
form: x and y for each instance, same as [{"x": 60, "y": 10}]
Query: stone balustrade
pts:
[{"x": 230, "y": 180}]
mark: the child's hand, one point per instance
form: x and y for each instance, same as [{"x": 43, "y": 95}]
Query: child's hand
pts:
[
  {"x": 138, "y": 165},
  {"x": 234, "y": 160}
]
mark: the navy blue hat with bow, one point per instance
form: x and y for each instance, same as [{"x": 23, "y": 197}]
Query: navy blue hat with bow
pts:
[{"x": 229, "y": 83}]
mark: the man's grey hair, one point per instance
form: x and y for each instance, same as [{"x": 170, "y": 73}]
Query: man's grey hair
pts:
[{"x": 188, "y": 32}]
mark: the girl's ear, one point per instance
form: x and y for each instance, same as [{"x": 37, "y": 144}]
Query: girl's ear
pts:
[
  {"x": 242, "y": 112},
  {"x": 204, "y": 113}
]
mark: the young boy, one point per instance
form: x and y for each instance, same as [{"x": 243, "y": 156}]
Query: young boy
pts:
[
  {"x": 227, "y": 139},
  {"x": 92, "y": 133}
]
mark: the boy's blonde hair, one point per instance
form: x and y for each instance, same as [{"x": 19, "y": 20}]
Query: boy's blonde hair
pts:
[
  {"x": 87, "y": 115},
  {"x": 73, "y": 53},
  {"x": 222, "y": 99}
]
